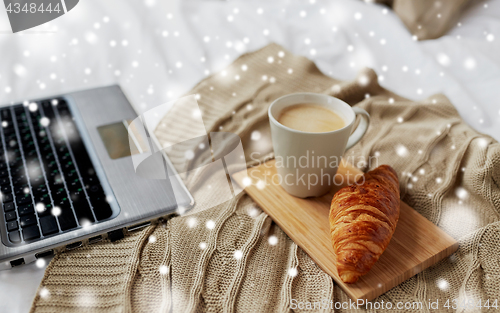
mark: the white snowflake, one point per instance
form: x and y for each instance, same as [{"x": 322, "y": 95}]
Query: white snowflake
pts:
[
  {"x": 163, "y": 269},
  {"x": 40, "y": 263},
  {"x": 91, "y": 37},
  {"x": 33, "y": 106},
  {"x": 20, "y": 70},
  {"x": 210, "y": 224},
  {"x": 261, "y": 184},
  {"x": 44, "y": 293},
  {"x": 39, "y": 207},
  {"x": 256, "y": 135},
  {"x": 56, "y": 211},
  {"x": 238, "y": 254},
  {"x": 293, "y": 272},
  {"x": 470, "y": 63},
  {"x": 442, "y": 284},
  {"x": 44, "y": 121},
  {"x": 273, "y": 240},
  {"x": 443, "y": 59},
  {"x": 246, "y": 181},
  {"x": 402, "y": 151},
  {"x": 461, "y": 193}
]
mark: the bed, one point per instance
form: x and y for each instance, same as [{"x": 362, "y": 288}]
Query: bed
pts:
[{"x": 158, "y": 50}]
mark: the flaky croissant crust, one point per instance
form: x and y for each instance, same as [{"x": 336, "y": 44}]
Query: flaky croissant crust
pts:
[{"x": 363, "y": 218}]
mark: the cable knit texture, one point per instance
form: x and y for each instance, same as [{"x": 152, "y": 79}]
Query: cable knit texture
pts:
[{"x": 448, "y": 172}]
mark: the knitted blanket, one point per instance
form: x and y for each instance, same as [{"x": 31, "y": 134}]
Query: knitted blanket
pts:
[{"x": 221, "y": 259}]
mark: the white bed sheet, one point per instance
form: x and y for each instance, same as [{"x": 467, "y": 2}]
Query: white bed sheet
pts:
[{"x": 157, "y": 50}]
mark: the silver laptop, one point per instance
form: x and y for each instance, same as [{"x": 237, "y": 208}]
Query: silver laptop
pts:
[{"x": 67, "y": 177}]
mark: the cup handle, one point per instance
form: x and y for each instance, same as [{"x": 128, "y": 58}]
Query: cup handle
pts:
[{"x": 361, "y": 129}]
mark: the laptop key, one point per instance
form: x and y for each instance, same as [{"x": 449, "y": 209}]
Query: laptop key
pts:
[
  {"x": 75, "y": 184},
  {"x": 31, "y": 232},
  {"x": 10, "y": 216},
  {"x": 27, "y": 220},
  {"x": 45, "y": 210},
  {"x": 102, "y": 210},
  {"x": 66, "y": 218},
  {"x": 83, "y": 211},
  {"x": 7, "y": 197},
  {"x": 77, "y": 196},
  {"x": 20, "y": 189},
  {"x": 6, "y": 189},
  {"x": 47, "y": 109},
  {"x": 4, "y": 180},
  {"x": 25, "y": 199},
  {"x": 25, "y": 209},
  {"x": 48, "y": 225},
  {"x": 15, "y": 237},
  {"x": 6, "y": 114},
  {"x": 40, "y": 189},
  {"x": 11, "y": 226},
  {"x": 7, "y": 207},
  {"x": 43, "y": 198}
]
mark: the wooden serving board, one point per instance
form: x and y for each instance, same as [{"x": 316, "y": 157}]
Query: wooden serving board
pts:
[{"x": 416, "y": 244}]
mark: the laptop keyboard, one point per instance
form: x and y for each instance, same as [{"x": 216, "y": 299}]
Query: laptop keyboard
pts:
[{"x": 48, "y": 184}]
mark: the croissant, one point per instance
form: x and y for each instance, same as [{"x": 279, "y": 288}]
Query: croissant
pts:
[{"x": 363, "y": 218}]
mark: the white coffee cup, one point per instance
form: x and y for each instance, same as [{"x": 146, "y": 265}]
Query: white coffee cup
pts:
[{"x": 323, "y": 151}]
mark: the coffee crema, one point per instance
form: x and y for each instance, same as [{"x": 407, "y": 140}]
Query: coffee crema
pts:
[{"x": 310, "y": 117}]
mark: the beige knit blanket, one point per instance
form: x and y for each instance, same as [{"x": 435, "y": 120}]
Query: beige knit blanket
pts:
[{"x": 448, "y": 172}]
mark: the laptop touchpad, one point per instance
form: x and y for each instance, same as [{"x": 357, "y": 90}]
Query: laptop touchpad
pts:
[{"x": 115, "y": 139}]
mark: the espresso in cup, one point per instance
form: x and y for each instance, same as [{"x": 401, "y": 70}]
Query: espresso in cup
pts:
[{"x": 311, "y": 118}]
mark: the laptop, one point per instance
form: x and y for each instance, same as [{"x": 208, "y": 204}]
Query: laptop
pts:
[{"x": 67, "y": 176}]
